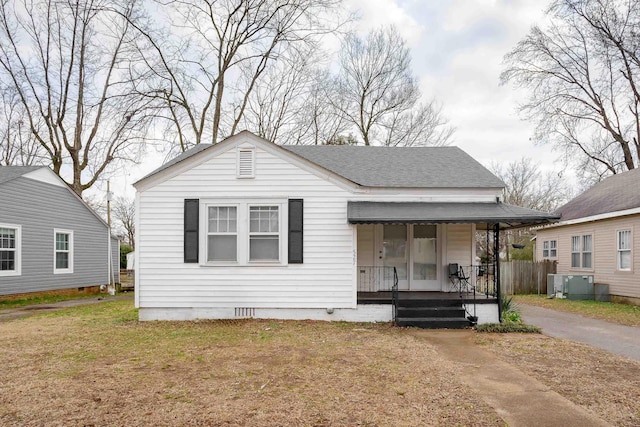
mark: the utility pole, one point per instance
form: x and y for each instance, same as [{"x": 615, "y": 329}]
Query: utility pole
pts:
[{"x": 112, "y": 285}]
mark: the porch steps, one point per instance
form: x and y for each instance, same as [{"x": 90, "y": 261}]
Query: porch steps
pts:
[{"x": 432, "y": 314}]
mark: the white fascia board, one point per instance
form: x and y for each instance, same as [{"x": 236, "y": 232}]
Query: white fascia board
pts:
[
  {"x": 231, "y": 143},
  {"x": 592, "y": 218}
]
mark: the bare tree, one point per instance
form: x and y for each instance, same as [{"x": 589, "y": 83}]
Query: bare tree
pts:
[
  {"x": 291, "y": 103},
  {"x": 582, "y": 71},
  {"x": 527, "y": 186},
  {"x": 69, "y": 63},
  {"x": 17, "y": 145},
  {"x": 124, "y": 214},
  {"x": 380, "y": 96},
  {"x": 206, "y": 68}
]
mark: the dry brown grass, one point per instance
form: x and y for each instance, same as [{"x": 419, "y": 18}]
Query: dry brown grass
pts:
[
  {"x": 605, "y": 384},
  {"x": 98, "y": 366}
]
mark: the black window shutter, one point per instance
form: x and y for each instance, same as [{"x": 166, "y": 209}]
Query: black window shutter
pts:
[
  {"x": 295, "y": 231},
  {"x": 191, "y": 221}
]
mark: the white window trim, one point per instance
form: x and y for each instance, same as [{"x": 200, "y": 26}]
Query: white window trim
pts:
[
  {"x": 68, "y": 270},
  {"x": 581, "y": 251},
  {"x": 630, "y": 250},
  {"x": 242, "y": 230},
  {"x": 546, "y": 246},
  {"x": 239, "y": 152},
  {"x": 18, "y": 251}
]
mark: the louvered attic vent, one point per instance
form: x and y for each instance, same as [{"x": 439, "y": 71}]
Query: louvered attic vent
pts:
[{"x": 246, "y": 163}]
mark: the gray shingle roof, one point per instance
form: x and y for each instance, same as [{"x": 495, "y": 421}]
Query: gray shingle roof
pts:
[
  {"x": 8, "y": 173},
  {"x": 190, "y": 152},
  {"x": 413, "y": 167},
  {"x": 423, "y": 167},
  {"x": 616, "y": 193}
]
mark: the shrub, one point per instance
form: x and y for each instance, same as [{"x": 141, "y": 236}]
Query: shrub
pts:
[
  {"x": 508, "y": 327},
  {"x": 510, "y": 311}
]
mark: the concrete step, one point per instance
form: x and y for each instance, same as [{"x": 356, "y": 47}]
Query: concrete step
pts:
[
  {"x": 454, "y": 302},
  {"x": 431, "y": 312},
  {"x": 434, "y": 322}
]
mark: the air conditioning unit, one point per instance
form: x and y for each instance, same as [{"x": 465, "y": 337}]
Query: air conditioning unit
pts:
[{"x": 571, "y": 286}]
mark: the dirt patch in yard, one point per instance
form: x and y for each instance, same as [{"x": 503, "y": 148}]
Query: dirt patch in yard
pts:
[
  {"x": 597, "y": 380},
  {"x": 98, "y": 366}
]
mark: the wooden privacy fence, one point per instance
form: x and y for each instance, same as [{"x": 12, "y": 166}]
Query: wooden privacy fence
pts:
[{"x": 525, "y": 277}]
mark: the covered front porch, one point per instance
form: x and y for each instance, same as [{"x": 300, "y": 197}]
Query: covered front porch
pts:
[{"x": 424, "y": 259}]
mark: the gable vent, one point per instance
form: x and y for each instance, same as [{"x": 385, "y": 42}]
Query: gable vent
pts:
[{"x": 246, "y": 163}]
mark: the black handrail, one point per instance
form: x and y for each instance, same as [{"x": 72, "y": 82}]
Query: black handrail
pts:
[{"x": 394, "y": 296}]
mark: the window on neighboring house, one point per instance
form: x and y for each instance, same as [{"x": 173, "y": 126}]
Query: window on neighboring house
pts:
[
  {"x": 63, "y": 252},
  {"x": 264, "y": 237},
  {"x": 222, "y": 234},
  {"x": 9, "y": 250},
  {"x": 582, "y": 251},
  {"x": 549, "y": 249},
  {"x": 624, "y": 250}
]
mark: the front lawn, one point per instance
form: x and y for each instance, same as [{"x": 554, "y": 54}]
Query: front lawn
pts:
[
  {"x": 97, "y": 365},
  {"x": 616, "y": 313}
]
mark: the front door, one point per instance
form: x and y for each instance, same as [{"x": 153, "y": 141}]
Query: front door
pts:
[
  {"x": 395, "y": 252},
  {"x": 424, "y": 258},
  {"x": 413, "y": 251}
]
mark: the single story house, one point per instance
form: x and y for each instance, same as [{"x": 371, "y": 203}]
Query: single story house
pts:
[
  {"x": 598, "y": 235},
  {"x": 49, "y": 238},
  {"x": 247, "y": 228}
]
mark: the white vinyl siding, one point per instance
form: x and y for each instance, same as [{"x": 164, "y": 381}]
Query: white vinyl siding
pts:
[
  {"x": 624, "y": 250},
  {"x": 62, "y": 251},
  {"x": 10, "y": 250}
]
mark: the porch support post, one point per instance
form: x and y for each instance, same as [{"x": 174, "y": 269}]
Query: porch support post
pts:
[{"x": 496, "y": 252}]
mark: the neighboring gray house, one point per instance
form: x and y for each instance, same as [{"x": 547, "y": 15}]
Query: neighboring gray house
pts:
[{"x": 49, "y": 238}]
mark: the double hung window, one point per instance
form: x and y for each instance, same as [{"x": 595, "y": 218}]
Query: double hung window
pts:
[
  {"x": 245, "y": 232},
  {"x": 582, "y": 252},
  {"x": 63, "y": 252},
  {"x": 549, "y": 249},
  {"x": 9, "y": 250},
  {"x": 624, "y": 250},
  {"x": 222, "y": 234},
  {"x": 264, "y": 237}
]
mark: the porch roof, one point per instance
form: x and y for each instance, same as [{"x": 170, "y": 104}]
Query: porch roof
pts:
[{"x": 445, "y": 212}]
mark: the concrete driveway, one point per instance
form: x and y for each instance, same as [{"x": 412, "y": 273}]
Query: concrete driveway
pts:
[
  {"x": 618, "y": 339},
  {"x": 30, "y": 310}
]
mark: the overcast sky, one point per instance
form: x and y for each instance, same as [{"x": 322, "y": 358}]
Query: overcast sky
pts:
[{"x": 457, "y": 49}]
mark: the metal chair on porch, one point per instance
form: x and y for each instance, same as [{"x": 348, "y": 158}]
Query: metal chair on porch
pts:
[{"x": 459, "y": 279}]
